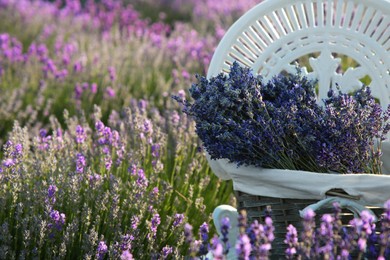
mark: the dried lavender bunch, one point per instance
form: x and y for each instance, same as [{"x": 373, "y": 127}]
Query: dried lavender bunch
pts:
[{"x": 279, "y": 124}]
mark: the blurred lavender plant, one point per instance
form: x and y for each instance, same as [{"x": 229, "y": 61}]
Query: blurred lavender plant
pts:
[
  {"x": 331, "y": 239},
  {"x": 59, "y": 199},
  {"x": 278, "y": 124}
]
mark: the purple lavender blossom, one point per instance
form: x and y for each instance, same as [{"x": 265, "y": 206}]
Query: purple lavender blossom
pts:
[
  {"x": 102, "y": 249},
  {"x": 8, "y": 162},
  {"x": 166, "y": 251},
  {"x": 78, "y": 67},
  {"x": 326, "y": 236},
  {"x": 364, "y": 228},
  {"x": 243, "y": 247},
  {"x": 80, "y": 163},
  {"x": 178, "y": 220},
  {"x": 216, "y": 249},
  {"x": 110, "y": 92},
  {"x": 112, "y": 73},
  {"x": 80, "y": 134},
  {"x": 188, "y": 233},
  {"x": 225, "y": 226},
  {"x": 18, "y": 150},
  {"x": 156, "y": 150},
  {"x": 204, "y": 235},
  {"x": 134, "y": 222},
  {"x": 291, "y": 241},
  {"x": 94, "y": 88},
  {"x": 51, "y": 192},
  {"x": 308, "y": 234},
  {"x": 126, "y": 255},
  {"x": 155, "y": 222},
  {"x": 56, "y": 223},
  {"x": 231, "y": 111}
]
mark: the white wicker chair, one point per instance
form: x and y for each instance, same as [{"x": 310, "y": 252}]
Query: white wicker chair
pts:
[{"x": 275, "y": 34}]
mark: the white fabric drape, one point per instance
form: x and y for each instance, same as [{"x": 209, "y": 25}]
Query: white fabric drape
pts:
[{"x": 373, "y": 190}]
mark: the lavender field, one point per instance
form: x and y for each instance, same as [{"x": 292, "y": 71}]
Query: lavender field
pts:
[{"x": 98, "y": 161}]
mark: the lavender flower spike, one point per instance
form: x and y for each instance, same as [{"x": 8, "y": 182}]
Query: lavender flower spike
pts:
[{"x": 101, "y": 250}]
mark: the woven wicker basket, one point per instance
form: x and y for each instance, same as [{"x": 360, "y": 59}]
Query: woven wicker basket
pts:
[{"x": 285, "y": 212}]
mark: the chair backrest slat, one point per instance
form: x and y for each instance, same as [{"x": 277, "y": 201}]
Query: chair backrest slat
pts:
[{"x": 344, "y": 42}]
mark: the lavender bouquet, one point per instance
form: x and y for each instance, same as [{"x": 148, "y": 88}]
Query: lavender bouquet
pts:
[{"x": 280, "y": 124}]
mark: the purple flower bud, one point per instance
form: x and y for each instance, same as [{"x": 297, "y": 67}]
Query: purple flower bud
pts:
[
  {"x": 217, "y": 249},
  {"x": 101, "y": 250},
  {"x": 110, "y": 92},
  {"x": 80, "y": 163},
  {"x": 94, "y": 88},
  {"x": 155, "y": 150},
  {"x": 134, "y": 222},
  {"x": 166, "y": 251},
  {"x": 9, "y": 162},
  {"x": 77, "y": 67},
  {"x": 243, "y": 247},
  {"x": 126, "y": 255},
  {"x": 55, "y": 215},
  {"x": 18, "y": 150},
  {"x": 99, "y": 126},
  {"x": 178, "y": 219},
  {"x": 188, "y": 233},
  {"x": 78, "y": 91},
  {"x": 42, "y": 133},
  {"x": 52, "y": 191},
  {"x": 112, "y": 73},
  {"x": 204, "y": 234},
  {"x": 80, "y": 134}
]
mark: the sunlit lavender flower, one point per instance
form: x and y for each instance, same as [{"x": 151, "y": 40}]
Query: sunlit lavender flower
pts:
[
  {"x": 99, "y": 126},
  {"x": 178, "y": 219},
  {"x": 142, "y": 182},
  {"x": 93, "y": 88},
  {"x": 9, "y": 162},
  {"x": 80, "y": 163},
  {"x": 148, "y": 127},
  {"x": 308, "y": 233},
  {"x": 102, "y": 249},
  {"x": 112, "y": 73},
  {"x": 291, "y": 241},
  {"x": 78, "y": 66},
  {"x": 216, "y": 249},
  {"x": 78, "y": 91},
  {"x": 110, "y": 92},
  {"x": 204, "y": 235},
  {"x": 108, "y": 162},
  {"x": 126, "y": 255},
  {"x": 51, "y": 192},
  {"x": 326, "y": 235},
  {"x": 225, "y": 226},
  {"x": 44, "y": 139},
  {"x": 166, "y": 251},
  {"x": 156, "y": 150},
  {"x": 188, "y": 233},
  {"x": 243, "y": 247},
  {"x": 56, "y": 223},
  {"x": 155, "y": 222},
  {"x": 80, "y": 134},
  {"x": 18, "y": 151},
  {"x": 94, "y": 179},
  {"x": 261, "y": 237},
  {"x": 364, "y": 227}
]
